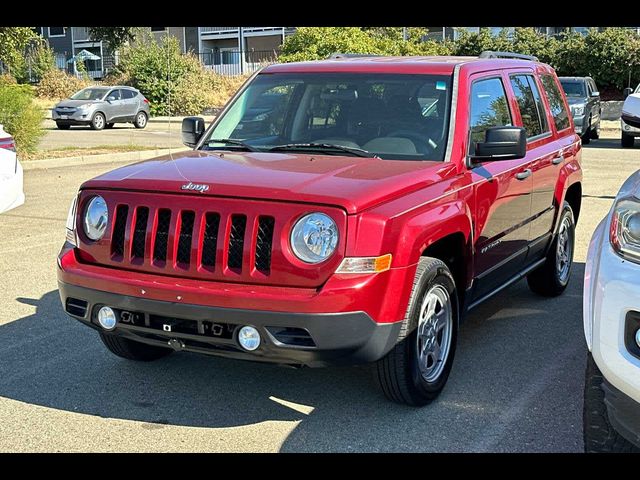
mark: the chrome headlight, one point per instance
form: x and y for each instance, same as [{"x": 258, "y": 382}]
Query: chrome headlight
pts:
[
  {"x": 624, "y": 231},
  {"x": 577, "y": 110},
  {"x": 314, "y": 237},
  {"x": 95, "y": 218},
  {"x": 71, "y": 222}
]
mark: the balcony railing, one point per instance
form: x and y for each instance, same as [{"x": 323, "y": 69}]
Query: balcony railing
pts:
[
  {"x": 236, "y": 30},
  {"x": 235, "y": 62}
]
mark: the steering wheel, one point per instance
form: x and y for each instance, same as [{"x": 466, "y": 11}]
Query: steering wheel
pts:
[{"x": 423, "y": 143}]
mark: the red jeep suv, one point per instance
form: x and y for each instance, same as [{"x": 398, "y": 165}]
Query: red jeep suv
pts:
[{"x": 342, "y": 211}]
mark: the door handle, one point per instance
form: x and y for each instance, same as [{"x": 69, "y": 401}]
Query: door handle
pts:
[
  {"x": 558, "y": 160},
  {"x": 524, "y": 174}
]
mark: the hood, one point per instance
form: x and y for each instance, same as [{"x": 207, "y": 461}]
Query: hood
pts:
[
  {"x": 76, "y": 103},
  {"x": 577, "y": 100},
  {"x": 353, "y": 183},
  {"x": 631, "y": 110}
]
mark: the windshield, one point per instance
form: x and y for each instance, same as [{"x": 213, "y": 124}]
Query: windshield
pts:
[
  {"x": 398, "y": 117},
  {"x": 573, "y": 88},
  {"x": 90, "y": 94}
]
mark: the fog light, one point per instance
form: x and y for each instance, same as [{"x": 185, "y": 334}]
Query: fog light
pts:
[
  {"x": 107, "y": 318},
  {"x": 249, "y": 338},
  {"x": 638, "y": 337}
]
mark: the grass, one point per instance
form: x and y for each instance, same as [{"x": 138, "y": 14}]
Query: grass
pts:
[{"x": 71, "y": 151}]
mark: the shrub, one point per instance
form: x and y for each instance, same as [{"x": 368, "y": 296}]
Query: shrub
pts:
[
  {"x": 21, "y": 117},
  {"x": 157, "y": 70},
  {"x": 37, "y": 61},
  {"x": 187, "y": 99},
  {"x": 7, "y": 79},
  {"x": 57, "y": 84}
]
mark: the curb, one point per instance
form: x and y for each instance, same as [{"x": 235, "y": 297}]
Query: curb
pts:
[{"x": 124, "y": 157}]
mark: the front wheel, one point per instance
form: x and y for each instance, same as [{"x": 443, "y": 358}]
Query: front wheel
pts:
[
  {"x": 599, "y": 435},
  {"x": 98, "y": 121},
  {"x": 141, "y": 120},
  {"x": 416, "y": 370},
  {"x": 586, "y": 136},
  {"x": 131, "y": 350},
  {"x": 552, "y": 277},
  {"x": 595, "y": 133}
]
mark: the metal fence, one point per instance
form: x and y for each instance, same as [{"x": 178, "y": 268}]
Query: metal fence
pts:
[{"x": 237, "y": 62}]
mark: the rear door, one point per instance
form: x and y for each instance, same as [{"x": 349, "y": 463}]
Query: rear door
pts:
[
  {"x": 130, "y": 101},
  {"x": 542, "y": 153},
  {"x": 503, "y": 191}
]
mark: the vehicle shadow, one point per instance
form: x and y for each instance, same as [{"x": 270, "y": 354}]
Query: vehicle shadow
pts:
[
  {"x": 519, "y": 365},
  {"x": 604, "y": 143}
]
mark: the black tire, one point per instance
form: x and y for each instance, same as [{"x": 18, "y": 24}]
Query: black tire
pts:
[
  {"x": 547, "y": 280},
  {"x": 98, "y": 121},
  {"x": 109, "y": 125},
  {"x": 63, "y": 126},
  {"x": 627, "y": 141},
  {"x": 595, "y": 132},
  {"x": 599, "y": 435},
  {"x": 141, "y": 120},
  {"x": 398, "y": 373},
  {"x": 131, "y": 350},
  {"x": 586, "y": 136}
]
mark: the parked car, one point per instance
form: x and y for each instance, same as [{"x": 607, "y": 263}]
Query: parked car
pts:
[
  {"x": 584, "y": 100},
  {"x": 630, "y": 119},
  {"x": 11, "y": 176},
  {"x": 371, "y": 206},
  {"x": 102, "y": 107},
  {"x": 611, "y": 313}
]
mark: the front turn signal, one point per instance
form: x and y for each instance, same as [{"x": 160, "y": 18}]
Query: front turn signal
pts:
[{"x": 365, "y": 264}]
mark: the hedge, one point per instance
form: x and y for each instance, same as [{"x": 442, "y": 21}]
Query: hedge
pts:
[{"x": 20, "y": 116}]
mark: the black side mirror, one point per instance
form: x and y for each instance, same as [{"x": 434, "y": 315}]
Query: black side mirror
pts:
[
  {"x": 501, "y": 143},
  {"x": 626, "y": 92},
  {"x": 192, "y": 130}
]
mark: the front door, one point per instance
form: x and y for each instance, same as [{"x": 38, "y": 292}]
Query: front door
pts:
[
  {"x": 502, "y": 193},
  {"x": 115, "y": 105}
]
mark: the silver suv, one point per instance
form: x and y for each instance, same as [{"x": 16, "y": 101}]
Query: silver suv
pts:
[{"x": 102, "y": 107}]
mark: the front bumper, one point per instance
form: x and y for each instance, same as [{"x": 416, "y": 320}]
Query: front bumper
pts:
[
  {"x": 313, "y": 340},
  {"x": 78, "y": 117},
  {"x": 628, "y": 129},
  {"x": 611, "y": 291},
  {"x": 623, "y": 413}
]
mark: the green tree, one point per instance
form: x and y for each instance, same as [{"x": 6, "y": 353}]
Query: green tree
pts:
[
  {"x": 114, "y": 37},
  {"x": 13, "y": 41}
]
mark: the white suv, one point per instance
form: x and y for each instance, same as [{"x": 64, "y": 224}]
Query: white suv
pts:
[
  {"x": 611, "y": 311},
  {"x": 629, "y": 131}
]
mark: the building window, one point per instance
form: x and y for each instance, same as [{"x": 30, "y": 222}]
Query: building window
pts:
[
  {"x": 38, "y": 30},
  {"x": 56, "y": 31},
  {"x": 158, "y": 29}
]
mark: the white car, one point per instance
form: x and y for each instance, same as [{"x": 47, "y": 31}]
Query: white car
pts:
[
  {"x": 631, "y": 127},
  {"x": 611, "y": 313},
  {"x": 11, "y": 177}
]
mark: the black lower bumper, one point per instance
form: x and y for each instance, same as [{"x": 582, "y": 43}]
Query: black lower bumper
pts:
[
  {"x": 623, "y": 412},
  {"x": 70, "y": 121},
  {"x": 313, "y": 340}
]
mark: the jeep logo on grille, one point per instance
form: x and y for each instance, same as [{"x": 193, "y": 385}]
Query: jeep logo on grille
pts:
[{"x": 198, "y": 187}]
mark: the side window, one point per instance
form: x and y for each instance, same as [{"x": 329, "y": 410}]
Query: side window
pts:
[
  {"x": 532, "y": 112},
  {"x": 556, "y": 102},
  {"x": 489, "y": 108},
  {"x": 115, "y": 94}
]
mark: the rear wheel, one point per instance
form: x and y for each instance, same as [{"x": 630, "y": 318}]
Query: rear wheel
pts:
[
  {"x": 98, "y": 122},
  {"x": 140, "y": 120},
  {"x": 599, "y": 435},
  {"x": 552, "y": 277},
  {"x": 416, "y": 370},
  {"x": 131, "y": 350},
  {"x": 63, "y": 126},
  {"x": 627, "y": 141}
]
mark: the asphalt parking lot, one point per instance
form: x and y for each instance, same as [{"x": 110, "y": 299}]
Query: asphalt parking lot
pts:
[{"x": 516, "y": 384}]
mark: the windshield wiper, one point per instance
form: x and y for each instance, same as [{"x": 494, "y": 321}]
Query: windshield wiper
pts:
[
  {"x": 233, "y": 141},
  {"x": 358, "y": 152}
]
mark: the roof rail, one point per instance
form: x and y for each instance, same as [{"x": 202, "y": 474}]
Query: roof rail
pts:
[
  {"x": 492, "y": 54},
  {"x": 335, "y": 56}
]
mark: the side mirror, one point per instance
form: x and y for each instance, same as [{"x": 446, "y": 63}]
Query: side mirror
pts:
[
  {"x": 111, "y": 99},
  {"x": 192, "y": 130},
  {"x": 626, "y": 92},
  {"x": 501, "y": 143},
  {"x": 595, "y": 93}
]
